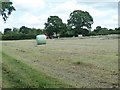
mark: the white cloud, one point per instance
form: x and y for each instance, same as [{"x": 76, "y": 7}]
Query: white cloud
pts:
[
  {"x": 99, "y": 1},
  {"x": 115, "y": 17},
  {"x": 63, "y": 10},
  {"x": 28, "y": 5},
  {"x": 29, "y": 19},
  {"x": 105, "y": 17},
  {"x": 34, "y": 13},
  {"x": 1, "y": 25}
]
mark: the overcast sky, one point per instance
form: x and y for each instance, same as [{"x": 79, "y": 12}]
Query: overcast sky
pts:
[{"x": 34, "y": 13}]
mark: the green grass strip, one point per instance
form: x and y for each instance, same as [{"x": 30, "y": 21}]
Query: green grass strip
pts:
[{"x": 16, "y": 74}]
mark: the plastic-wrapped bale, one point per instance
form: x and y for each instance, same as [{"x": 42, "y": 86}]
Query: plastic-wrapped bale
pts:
[{"x": 41, "y": 39}]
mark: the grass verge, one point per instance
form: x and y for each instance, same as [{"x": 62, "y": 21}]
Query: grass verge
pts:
[{"x": 16, "y": 74}]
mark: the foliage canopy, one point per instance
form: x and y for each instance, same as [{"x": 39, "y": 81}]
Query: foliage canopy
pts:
[{"x": 6, "y": 8}]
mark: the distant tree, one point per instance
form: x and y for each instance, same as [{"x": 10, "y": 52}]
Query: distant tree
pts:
[
  {"x": 111, "y": 30},
  {"x": 6, "y": 8},
  {"x": 104, "y": 31},
  {"x": 80, "y": 20},
  {"x": 24, "y": 30},
  {"x": 98, "y": 29},
  {"x": 54, "y": 25},
  {"x": 7, "y": 30},
  {"x": 32, "y": 31},
  {"x": 16, "y": 30},
  {"x": 0, "y": 35},
  {"x": 20, "y": 34},
  {"x": 117, "y": 30},
  {"x": 39, "y": 31}
]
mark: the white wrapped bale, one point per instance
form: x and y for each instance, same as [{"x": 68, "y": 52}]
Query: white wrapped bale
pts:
[{"x": 41, "y": 39}]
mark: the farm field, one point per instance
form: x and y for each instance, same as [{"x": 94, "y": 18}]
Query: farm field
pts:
[{"x": 67, "y": 62}]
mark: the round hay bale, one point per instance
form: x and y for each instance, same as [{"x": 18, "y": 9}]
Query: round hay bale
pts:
[{"x": 41, "y": 39}]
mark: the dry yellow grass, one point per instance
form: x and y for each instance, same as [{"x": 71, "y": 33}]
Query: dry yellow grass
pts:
[{"x": 87, "y": 62}]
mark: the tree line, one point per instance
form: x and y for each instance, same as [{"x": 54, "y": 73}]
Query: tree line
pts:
[
  {"x": 30, "y": 33},
  {"x": 20, "y": 33},
  {"x": 79, "y": 23}
]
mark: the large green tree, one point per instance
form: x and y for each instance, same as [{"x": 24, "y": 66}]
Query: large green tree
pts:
[
  {"x": 80, "y": 20},
  {"x": 6, "y": 8},
  {"x": 54, "y": 25}
]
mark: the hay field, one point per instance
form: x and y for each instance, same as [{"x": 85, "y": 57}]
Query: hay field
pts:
[{"x": 81, "y": 63}]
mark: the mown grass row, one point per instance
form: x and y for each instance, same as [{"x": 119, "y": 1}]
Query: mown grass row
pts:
[{"x": 16, "y": 74}]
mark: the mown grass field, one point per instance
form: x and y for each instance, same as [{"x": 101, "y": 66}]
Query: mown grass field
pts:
[{"x": 68, "y": 62}]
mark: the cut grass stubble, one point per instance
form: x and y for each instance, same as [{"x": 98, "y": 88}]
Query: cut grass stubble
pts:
[{"x": 78, "y": 62}]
